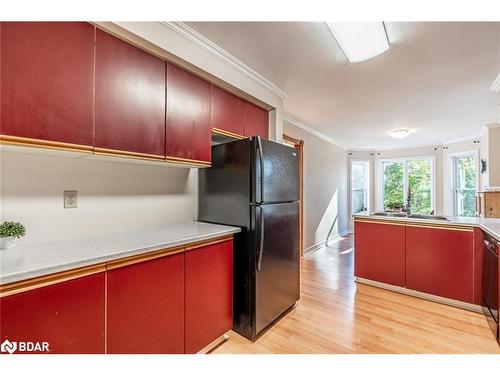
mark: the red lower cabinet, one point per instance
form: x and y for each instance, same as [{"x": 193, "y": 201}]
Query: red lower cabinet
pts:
[
  {"x": 209, "y": 294},
  {"x": 146, "y": 307},
  {"x": 439, "y": 261},
  {"x": 69, "y": 316},
  {"x": 379, "y": 252}
]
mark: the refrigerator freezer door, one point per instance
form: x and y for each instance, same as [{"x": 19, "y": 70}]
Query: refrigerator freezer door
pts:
[
  {"x": 280, "y": 180},
  {"x": 276, "y": 261}
]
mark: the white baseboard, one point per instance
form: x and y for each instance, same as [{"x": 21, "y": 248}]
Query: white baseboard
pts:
[{"x": 320, "y": 244}]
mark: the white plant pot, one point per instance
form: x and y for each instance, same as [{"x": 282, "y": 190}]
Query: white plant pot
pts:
[{"x": 7, "y": 242}]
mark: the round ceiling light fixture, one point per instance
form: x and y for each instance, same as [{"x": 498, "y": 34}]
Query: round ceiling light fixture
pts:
[{"x": 399, "y": 133}]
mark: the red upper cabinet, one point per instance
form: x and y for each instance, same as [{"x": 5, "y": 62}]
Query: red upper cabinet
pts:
[
  {"x": 69, "y": 316},
  {"x": 46, "y": 81},
  {"x": 189, "y": 132},
  {"x": 379, "y": 252},
  {"x": 129, "y": 98},
  {"x": 256, "y": 121},
  {"x": 146, "y": 307},
  {"x": 439, "y": 261},
  {"x": 209, "y": 294},
  {"x": 228, "y": 112}
]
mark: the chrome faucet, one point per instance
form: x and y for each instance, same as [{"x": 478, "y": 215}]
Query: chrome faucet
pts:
[{"x": 407, "y": 207}]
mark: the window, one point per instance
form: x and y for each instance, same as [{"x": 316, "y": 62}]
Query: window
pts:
[
  {"x": 408, "y": 179},
  {"x": 360, "y": 185},
  {"x": 464, "y": 169}
]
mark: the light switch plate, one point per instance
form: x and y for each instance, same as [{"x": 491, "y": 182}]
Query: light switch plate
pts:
[{"x": 70, "y": 198}]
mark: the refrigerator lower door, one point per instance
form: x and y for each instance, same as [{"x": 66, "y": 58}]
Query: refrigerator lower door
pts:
[{"x": 277, "y": 261}]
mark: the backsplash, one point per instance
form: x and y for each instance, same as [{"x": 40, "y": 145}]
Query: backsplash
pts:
[{"x": 112, "y": 196}]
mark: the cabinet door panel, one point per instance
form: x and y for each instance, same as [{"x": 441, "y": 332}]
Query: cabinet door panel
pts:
[
  {"x": 189, "y": 133},
  {"x": 440, "y": 262},
  {"x": 69, "y": 316},
  {"x": 146, "y": 307},
  {"x": 46, "y": 80},
  {"x": 478, "y": 265},
  {"x": 227, "y": 111},
  {"x": 256, "y": 121},
  {"x": 379, "y": 252},
  {"x": 130, "y": 97},
  {"x": 209, "y": 294}
]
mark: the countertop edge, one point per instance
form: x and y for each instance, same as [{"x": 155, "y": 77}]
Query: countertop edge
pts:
[
  {"x": 17, "y": 277},
  {"x": 482, "y": 226}
]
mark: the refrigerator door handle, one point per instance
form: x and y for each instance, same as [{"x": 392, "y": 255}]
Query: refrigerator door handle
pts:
[
  {"x": 261, "y": 244},
  {"x": 261, "y": 162}
]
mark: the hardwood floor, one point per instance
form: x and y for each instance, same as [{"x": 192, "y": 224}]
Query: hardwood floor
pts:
[{"x": 336, "y": 315}]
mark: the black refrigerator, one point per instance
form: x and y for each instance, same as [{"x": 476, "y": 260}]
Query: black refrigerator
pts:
[{"x": 254, "y": 184}]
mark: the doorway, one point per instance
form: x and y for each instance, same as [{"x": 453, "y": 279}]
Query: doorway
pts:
[{"x": 298, "y": 144}]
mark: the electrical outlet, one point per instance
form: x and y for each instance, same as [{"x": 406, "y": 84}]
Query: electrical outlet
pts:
[{"x": 70, "y": 198}]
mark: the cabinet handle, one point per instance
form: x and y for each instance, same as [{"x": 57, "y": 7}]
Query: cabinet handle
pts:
[
  {"x": 261, "y": 162},
  {"x": 261, "y": 244}
]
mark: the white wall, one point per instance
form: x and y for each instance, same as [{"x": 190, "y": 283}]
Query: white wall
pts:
[
  {"x": 325, "y": 187},
  {"x": 112, "y": 196}
]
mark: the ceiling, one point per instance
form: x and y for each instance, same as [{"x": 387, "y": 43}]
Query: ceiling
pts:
[{"x": 434, "y": 79}]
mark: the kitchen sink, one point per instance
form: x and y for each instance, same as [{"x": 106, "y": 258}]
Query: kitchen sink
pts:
[
  {"x": 411, "y": 216},
  {"x": 391, "y": 214},
  {"x": 427, "y": 217}
]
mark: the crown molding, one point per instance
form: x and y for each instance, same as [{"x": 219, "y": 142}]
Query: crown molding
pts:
[
  {"x": 491, "y": 126},
  {"x": 308, "y": 129},
  {"x": 495, "y": 86},
  {"x": 192, "y": 35}
]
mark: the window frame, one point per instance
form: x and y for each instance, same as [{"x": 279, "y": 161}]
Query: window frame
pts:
[
  {"x": 452, "y": 177},
  {"x": 368, "y": 188},
  {"x": 380, "y": 174}
]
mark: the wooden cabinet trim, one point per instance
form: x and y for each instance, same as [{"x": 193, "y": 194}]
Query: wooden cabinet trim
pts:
[
  {"x": 55, "y": 278},
  {"x": 419, "y": 225},
  {"x": 40, "y": 143},
  {"x": 197, "y": 245},
  {"x": 53, "y": 145},
  {"x": 445, "y": 227},
  {"x": 379, "y": 222},
  {"x": 123, "y": 262},
  {"x": 197, "y": 163},
  {"x": 127, "y": 154},
  {"x": 227, "y": 133}
]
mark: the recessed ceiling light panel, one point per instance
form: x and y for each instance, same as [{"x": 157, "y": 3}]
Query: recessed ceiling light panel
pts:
[
  {"x": 360, "y": 41},
  {"x": 399, "y": 133}
]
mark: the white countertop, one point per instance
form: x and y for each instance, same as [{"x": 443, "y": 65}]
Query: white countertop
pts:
[
  {"x": 31, "y": 260},
  {"x": 491, "y": 226}
]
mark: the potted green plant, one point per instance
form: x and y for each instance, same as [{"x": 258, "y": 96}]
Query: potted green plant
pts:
[{"x": 9, "y": 233}]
